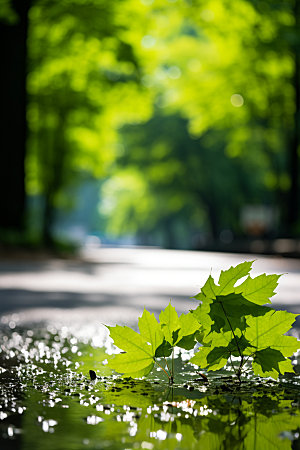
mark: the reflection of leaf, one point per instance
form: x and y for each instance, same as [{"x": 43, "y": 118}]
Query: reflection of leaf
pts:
[
  {"x": 264, "y": 432},
  {"x": 139, "y": 394}
]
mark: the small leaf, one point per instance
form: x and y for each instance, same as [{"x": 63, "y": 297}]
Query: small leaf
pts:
[
  {"x": 229, "y": 278},
  {"x": 187, "y": 342},
  {"x": 188, "y": 325},
  {"x": 204, "y": 358},
  {"x": 169, "y": 322},
  {"x": 151, "y": 330},
  {"x": 130, "y": 362},
  {"x": 259, "y": 290},
  {"x": 266, "y": 362},
  {"x": 267, "y": 331},
  {"x": 164, "y": 350}
]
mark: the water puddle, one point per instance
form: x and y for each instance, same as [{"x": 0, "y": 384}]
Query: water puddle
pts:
[{"x": 48, "y": 401}]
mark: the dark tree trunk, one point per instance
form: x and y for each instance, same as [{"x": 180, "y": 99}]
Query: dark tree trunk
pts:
[
  {"x": 13, "y": 55},
  {"x": 293, "y": 198}
]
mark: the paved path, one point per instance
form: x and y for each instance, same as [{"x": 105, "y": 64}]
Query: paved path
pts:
[{"x": 112, "y": 285}]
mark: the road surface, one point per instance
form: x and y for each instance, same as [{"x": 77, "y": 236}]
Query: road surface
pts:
[{"x": 113, "y": 285}]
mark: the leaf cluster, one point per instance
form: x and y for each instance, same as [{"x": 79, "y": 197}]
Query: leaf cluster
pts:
[
  {"x": 155, "y": 340},
  {"x": 234, "y": 323},
  {"x": 230, "y": 322}
]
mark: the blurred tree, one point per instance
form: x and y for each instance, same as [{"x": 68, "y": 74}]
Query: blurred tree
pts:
[
  {"x": 249, "y": 84},
  {"x": 178, "y": 184},
  {"x": 232, "y": 70},
  {"x": 13, "y": 130},
  {"x": 83, "y": 83}
]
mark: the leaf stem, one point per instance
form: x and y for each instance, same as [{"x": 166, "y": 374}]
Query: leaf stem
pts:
[
  {"x": 232, "y": 365},
  {"x": 163, "y": 369},
  {"x": 172, "y": 375},
  {"x": 237, "y": 344},
  {"x": 167, "y": 365}
]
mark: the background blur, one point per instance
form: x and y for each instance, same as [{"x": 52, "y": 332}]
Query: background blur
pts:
[{"x": 172, "y": 123}]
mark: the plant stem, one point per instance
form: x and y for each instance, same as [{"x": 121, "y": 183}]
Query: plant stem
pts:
[
  {"x": 163, "y": 370},
  {"x": 172, "y": 374},
  {"x": 167, "y": 365},
  {"x": 233, "y": 365},
  {"x": 237, "y": 344}
]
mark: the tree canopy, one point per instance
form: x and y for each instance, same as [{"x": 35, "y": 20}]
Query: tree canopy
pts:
[{"x": 187, "y": 110}]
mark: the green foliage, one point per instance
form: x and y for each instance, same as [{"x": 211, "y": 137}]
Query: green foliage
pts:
[
  {"x": 155, "y": 340},
  {"x": 231, "y": 321},
  {"x": 234, "y": 323}
]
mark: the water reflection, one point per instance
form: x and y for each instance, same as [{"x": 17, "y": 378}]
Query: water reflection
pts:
[{"x": 48, "y": 401}]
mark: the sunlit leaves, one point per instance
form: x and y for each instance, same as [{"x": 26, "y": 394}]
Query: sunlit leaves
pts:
[
  {"x": 267, "y": 331},
  {"x": 155, "y": 340},
  {"x": 138, "y": 356},
  {"x": 259, "y": 290},
  {"x": 228, "y": 278},
  {"x": 231, "y": 321},
  {"x": 235, "y": 323},
  {"x": 150, "y": 329},
  {"x": 170, "y": 324}
]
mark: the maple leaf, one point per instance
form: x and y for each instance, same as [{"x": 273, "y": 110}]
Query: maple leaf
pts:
[
  {"x": 154, "y": 340},
  {"x": 178, "y": 331},
  {"x": 235, "y": 323},
  {"x": 140, "y": 348},
  {"x": 260, "y": 289},
  {"x": 265, "y": 334}
]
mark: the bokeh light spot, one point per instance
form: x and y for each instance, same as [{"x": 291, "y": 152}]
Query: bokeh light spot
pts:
[{"x": 237, "y": 100}]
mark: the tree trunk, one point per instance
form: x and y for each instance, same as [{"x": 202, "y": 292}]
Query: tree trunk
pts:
[
  {"x": 293, "y": 197},
  {"x": 13, "y": 129}
]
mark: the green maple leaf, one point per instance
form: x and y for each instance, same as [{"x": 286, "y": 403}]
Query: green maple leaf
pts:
[
  {"x": 154, "y": 340},
  {"x": 170, "y": 324},
  {"x": 234, "y": 323},
  {"x": 140, "y": 348},
  {"x": 151, "y": 330},
  {"x": 265, "y": 334},
  {"x": 225, "y": 313},
  {"x": 257, "y": 290},
  {"x": 267, "y": 363},
  {"x": 229, "y": 278},
  {"x": 267, "y": 331},
  {"x": 260, "y": 289},
  {"x": 217, "y": 348},
  {"x": 178, "y": 331}
]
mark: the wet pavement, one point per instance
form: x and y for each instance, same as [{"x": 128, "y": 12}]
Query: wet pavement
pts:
[
  {"x": 51, "y": 336},
  {"x": 109, "y": 285}
]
